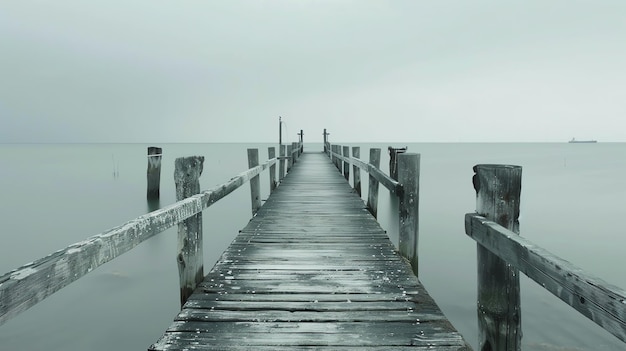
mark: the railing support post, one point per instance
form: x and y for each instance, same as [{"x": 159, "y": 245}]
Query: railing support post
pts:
[
  {"x": 190, "y": 256},
  {"x": 289, "y": 157},
  {"x": 356, "y": 171},
  {"x": 255, "y": 183},
  {"x": 154, "y": 172},
  {"x": 498, "y": 189},
  {"x": 372, "y": 195},
  {"x": 271, "y": 153},
  {"x": 346, "y": 163},
  {"x": 408, "y": 213},
  {"x": 281, "y": 168}
]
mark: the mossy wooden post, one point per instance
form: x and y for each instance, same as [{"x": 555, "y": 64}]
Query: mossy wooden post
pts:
[
  {"x": 154, "y": 172},
  {"x": 498, "y": 189},
  {"x": 346, "y": 163},
  {"x": 372, "y": 196},
  {"x": 289, "y": 157},
  {"x": 281, "y": 167},
  {"x": 408, "y": 176},
  {"x": 356, "y": 171},
  {"x": 190, "y": 258},
  {"x": 271, "y": 153},
  {"x": 255, "y": 183}
]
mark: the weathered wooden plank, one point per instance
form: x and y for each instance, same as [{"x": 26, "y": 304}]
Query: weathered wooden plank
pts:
[
  {"x": 374, "y": 171},
  {"x": 255, "y": 182},
  {"x": 603, "y": 303},
  {"x": 409, "y": 172}
]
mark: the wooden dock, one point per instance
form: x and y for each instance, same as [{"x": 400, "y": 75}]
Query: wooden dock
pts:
[{"x": 312, "y": 270}]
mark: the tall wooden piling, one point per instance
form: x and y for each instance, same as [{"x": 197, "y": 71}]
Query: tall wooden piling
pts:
[
  {"x": 255, "y": 183},
  {"x": 356, "y": 171},
  {"x": 325, "y": 141},
  {"x": 408, "y": 176},
  {"x": 271, "y": 153},
  {"x": 346, "y": 163},
  {"x": 281, "y": 167},
  {"x": 190, "y": 255},
  {"x": 372, "y": 195},
  {"x": 289, "y": 157},
  {"x": 498, "y": 189},
  {"x": 154, "y": 172}
]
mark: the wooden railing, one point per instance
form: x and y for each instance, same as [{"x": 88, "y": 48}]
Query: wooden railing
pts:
[
  {"x": 406, "y": 188},
  {"x": 502, "y": 254},
  {"x": 26, "y": 286}
]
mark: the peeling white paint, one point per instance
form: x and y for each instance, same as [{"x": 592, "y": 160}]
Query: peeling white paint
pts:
[{"x": 23, "y": 273}]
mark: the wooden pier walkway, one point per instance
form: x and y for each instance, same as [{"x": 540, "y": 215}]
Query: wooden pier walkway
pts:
[{"x": 312, "y": 270}]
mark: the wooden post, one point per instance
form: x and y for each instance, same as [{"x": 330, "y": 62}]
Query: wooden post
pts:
[
  {"x": 255, "y": 183},
  {"x": 356, "y": 171},
  {"x": 325, "y": 141},
  {"x": 346, "y": 164},
  {"x": 190, "y": 258},
  {"x": 301, "y": 144},
  {"x": 393, "y": 160},
  {"x": 289, "y": 157},
  {"x": 281, "y": 168},
  {"x": 154, "y": 172},
  {"x": 372, "y": 196},
  {"x": 294, "y": 152},
  {"x": 498, "y": 189},
  {"x": 271, "y": 153},
  {"x": 408, "y": 214}
]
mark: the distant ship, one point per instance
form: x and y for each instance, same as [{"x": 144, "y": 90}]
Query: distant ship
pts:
[{"x": 574, "y": 141}]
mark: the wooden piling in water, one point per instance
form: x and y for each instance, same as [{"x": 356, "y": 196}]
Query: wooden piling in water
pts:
[
  {"x": 281, "y": 167},
  {"x": 289, "y": 157},
  {"x": 271, "y": 153},
  {"x": 408, "y": 176},
  {"x": 346, "y": 163},
  {"x": 255, "y": 183},
  {"x": 190, "y": 254},
  {"x": 372, "y": 195},
  {"x": 356, "y": 171},
  {"x": 154, "y": 172},
  {"x": 498, "y": 189}
]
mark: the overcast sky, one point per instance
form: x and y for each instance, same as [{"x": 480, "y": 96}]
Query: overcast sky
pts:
[{"x": 222, "y": 71}]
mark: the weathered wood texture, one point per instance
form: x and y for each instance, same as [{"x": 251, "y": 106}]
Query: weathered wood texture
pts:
[
  {"x": 281, "y": 167},
  {"x": 603, "y": 303},
  {"x": 255, "y": 183},
  {"x": 408, "y": 173},
  {"x": 374, "y": 171},
  {"x": 271, "y": 153},
  {"x": 154, "y": 172},
  {"x": 190, "y": 258},
  {"x": 372, "y": 195},
  {"x": 313, "y": 270},
  {"x": 346, "y": 162},
  {"x": 498, "y": 189},
  {"x": 26, "y": 286},
  {"x": 356, "y": 170}
]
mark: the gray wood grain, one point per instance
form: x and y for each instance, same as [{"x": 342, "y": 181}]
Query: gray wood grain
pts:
[{"x": 603, "y": 303}]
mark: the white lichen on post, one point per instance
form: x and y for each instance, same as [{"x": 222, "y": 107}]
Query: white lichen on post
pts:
[
  {"x": 190, "y": 256},
  {"x": 408, "y": 176},
  {"x": 498, "y": 189}
]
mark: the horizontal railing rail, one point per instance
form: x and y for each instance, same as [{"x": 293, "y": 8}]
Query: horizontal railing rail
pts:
[
  {"x": 603, "y": 303},
  {"x": 502, "y": 253},
  {"x": 26, "y": 286}
]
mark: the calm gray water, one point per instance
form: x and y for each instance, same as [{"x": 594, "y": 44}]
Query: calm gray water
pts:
[{"x": 54, "y": 195}]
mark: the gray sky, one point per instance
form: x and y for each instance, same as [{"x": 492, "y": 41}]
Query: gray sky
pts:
[{"x": 222, "y": 71}]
